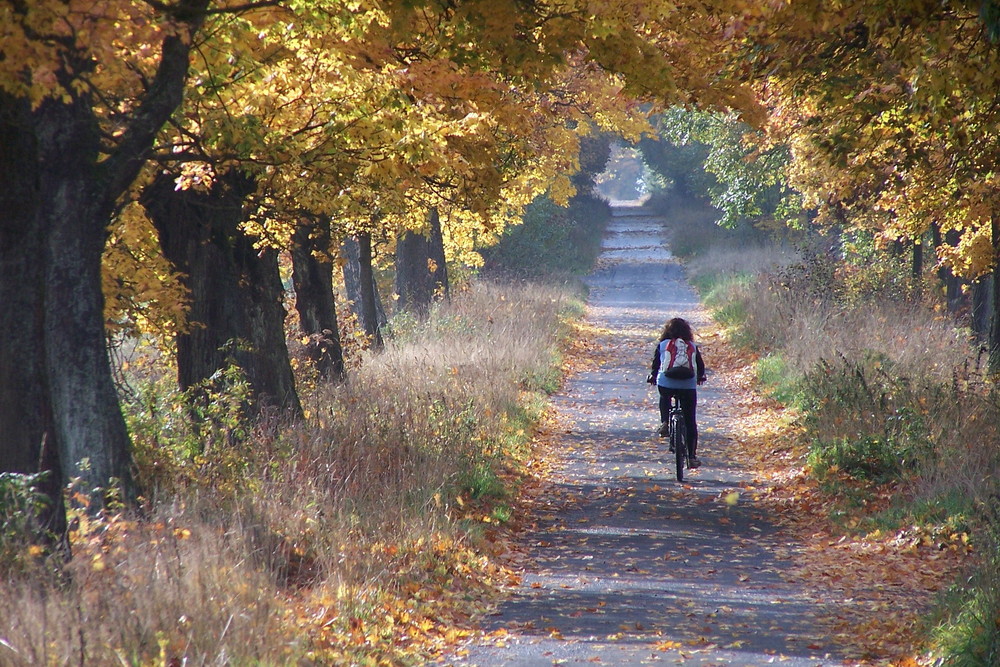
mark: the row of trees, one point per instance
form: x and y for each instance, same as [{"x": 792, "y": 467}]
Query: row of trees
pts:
[
  {"x": 881, "y": 123},
  {"x": 157, "y": 156},
  {"x": 889, "y": 112}
]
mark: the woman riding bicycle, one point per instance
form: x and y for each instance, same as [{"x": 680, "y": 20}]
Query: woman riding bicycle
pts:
[{"x": 686, "y": 390}]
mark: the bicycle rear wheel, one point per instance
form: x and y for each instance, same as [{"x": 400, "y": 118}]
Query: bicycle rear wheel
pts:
[{"x": 679, "y": 444}]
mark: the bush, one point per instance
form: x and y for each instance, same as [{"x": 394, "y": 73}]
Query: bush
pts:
[
  {"x": 551, "y": 240},
  {"x": 189, "y": 439}
]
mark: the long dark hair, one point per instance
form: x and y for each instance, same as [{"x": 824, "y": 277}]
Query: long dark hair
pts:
[{"x": 677, "y": 328}]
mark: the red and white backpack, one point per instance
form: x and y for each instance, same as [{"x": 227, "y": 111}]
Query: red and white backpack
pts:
[{"x": 678, "y": 360}]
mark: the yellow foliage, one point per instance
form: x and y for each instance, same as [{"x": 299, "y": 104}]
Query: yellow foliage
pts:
[
  {"x": 142, "y": 291},
  {"x": 887, "y": 123}
]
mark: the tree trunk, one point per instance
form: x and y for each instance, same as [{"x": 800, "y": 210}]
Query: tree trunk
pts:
[
  {"x": 312, "y": 275},
  {"x": 28, "y": 444},
  {"x": 65, "y": 184},
  {"x": 91, "y": 435},
  {"x": 237, "y": 306},
  {"x": 413, "y": 279},
  {"x": 994, "y": 340},
  {"x": 351, "y": 250},
  {"x": 438, "y": 265},
  {"x": 351, "y": 254},
  {"x": 952, "y": 284},
  {"x": 917, "y": 266},
  {"x": 421, "y": 272},
  {"x": 369, "y": 291},
  {"x": 982, "y": 294}
]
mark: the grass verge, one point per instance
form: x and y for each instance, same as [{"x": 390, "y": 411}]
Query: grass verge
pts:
[
  {"x": 882, "y": 448},
  {"x": 370, "y": 534}
]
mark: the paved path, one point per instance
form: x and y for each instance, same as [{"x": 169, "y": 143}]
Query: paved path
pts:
[{"x": 635, "y": 568}]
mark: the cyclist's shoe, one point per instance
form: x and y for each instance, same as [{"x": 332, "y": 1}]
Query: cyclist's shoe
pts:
[
  {"x": 664, "y": 428},
  {"x": 693, "y": 462}
]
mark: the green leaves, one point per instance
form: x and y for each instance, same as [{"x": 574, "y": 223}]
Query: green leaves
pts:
[{"x": 741, "y": 172}]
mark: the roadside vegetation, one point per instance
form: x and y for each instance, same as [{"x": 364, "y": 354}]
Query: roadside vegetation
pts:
[
  {"x": 174, "y": 170},
  {"x": 368, "y": 533},
  {"x": 891, "y": 420},
  {"x": 552, "y": 242}
]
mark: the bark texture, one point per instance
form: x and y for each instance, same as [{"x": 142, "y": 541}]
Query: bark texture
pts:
[
  {"x": 237, "y": 308},
  {"x": 61, "y": 411},
  {"x": 421, "y": 272},
  {"x": 29, "y": 442},
  {"x": 363, "y": 302},
  {"x": 312, "y": 275},
  {"x": 90, "y": 431}
]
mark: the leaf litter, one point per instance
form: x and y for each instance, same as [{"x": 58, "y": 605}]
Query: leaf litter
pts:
[
  {"x": 877, "y": 587},
  {"x": 882, "y": 585}
]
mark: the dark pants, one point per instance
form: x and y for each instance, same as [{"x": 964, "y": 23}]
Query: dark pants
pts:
[{"x": 689, "y": 403}]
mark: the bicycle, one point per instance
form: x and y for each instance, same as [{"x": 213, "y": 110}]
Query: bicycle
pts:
[{"x": 677, "y": 435}]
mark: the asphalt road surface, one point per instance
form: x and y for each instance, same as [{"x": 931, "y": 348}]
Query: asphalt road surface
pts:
[{"x": 634, "y": 568}]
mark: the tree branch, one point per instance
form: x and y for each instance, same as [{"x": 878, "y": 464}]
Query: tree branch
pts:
[
  {"x": 190, "y": 11},
  {"x": 162, "y": 98}
]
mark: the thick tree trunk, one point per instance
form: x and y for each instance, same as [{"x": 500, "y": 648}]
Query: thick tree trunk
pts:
[
  {"x": 28, "y": 444},
  {"x": 236, "y": 292},
  {"x": 65, "y": 184},
  {"x": 421, "y": 272},
  {"x": 312, "y": 275},
  {"x": 351, "y": 251},
  {"x": 917, "y": 265},
  {"x": 92, "y": 438}
]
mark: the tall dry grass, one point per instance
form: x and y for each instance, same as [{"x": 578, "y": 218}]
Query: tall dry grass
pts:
[
  {"x": 807, "y": 328},
  {"x": 155, "y": 592},
  {"x": 890, "y": 388},
  {"x": 891, "y": 394},
  {"x": 894, "y": 394},
  {"x": 343, "y": 539}
]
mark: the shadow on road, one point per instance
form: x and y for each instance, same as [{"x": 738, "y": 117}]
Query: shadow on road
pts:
[{"x": 633, "y": 567}]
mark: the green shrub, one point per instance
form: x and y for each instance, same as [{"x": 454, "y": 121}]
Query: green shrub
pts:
[
  {"x": 21, "y": 502},
  {"x": 196, "y": 437},
  {"x": 551, "y": 240},
  {"x": 872, "y": 458},
  {"x": 864, "y": 419},
  {"x": 968, "y": 634}
]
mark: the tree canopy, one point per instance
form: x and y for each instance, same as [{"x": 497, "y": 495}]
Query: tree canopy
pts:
[{"x": 378, "y": 116}]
